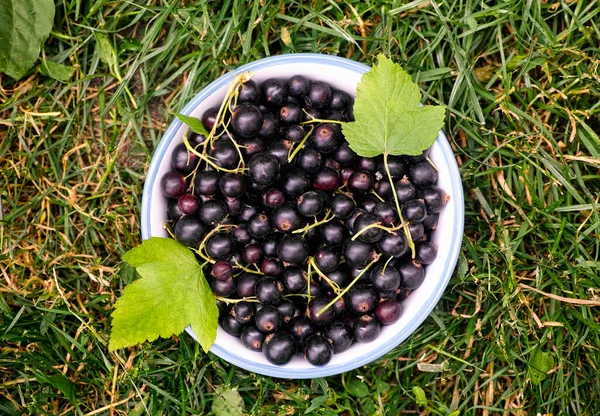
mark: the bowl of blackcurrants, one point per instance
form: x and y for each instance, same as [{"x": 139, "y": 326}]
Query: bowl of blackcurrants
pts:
[{"x": 301, "y": 238}]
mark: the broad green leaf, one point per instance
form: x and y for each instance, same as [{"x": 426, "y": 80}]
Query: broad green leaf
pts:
[
  {"x": 228, "y": 403},
  {"x": 357, "y": 388},
  {"x": 60, "y": 382},
  {"x": 193, "y": 123},
  {"x": 420, "y": 397},
  {"x": 56, "y": 71},
  {"x": 24, "y": 26},
  {"x": 539, "y": 364},
  {"x": 388, "y": 116},
  {"x": 171, "y": 294}
]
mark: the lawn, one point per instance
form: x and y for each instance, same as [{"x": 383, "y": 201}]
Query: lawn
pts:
[{"x": 518, "y": 328}]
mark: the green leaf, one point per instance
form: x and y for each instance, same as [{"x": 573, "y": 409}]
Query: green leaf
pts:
[
  {"x": 539, "y": 364},
  {"x": 172, "y": 294},
  {"x": 420, "y": 397},
  {"x": 59, "y": 382},
  {"x": 24, "y": 26},
  {"x": 56, "y": 71},
  {"x": 193, "y": 123},
  {"x": 357, "y": 388},
  {"x": 388, "y": 116},
  {"x": 228, "y": 403},
  {"x": 316, "y": 403},
  {"x": 108, "y": 54}
]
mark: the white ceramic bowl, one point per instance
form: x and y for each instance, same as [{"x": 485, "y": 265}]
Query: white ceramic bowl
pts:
[{"x": 343, "y": 74}]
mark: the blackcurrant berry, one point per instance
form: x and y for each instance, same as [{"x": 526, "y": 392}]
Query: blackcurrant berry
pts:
[
  {"x": 292, "y": 249},
  {"x": 279, "y": 348},
  {"x": 309, "y": 159},
  {"x": 340, "y": 335},
  {"x": 385, "y": 278},
  {"x": 334, "y": 233},
  {"x": 405, "y": 190},
  {"x": 252, "y": 254},
  {"x": 430, "y": 221},
  {"x": 269, "y": 291},
  {"x": 252, "y": 338},
  {"x": 342, "y": 206},
  {"x": 294, "y": 279},
  {"x": 357, "y": 253},
  {"x": 423, "y": 174},
  {"x": 224, "y": 153},
  {"x": 246, "y": 283},
  {"x": 310, "y": 204},
  {"x": 270, "y": 245},
  {"x": 327, "y": 258},
  {"x": 383, "y": 188},
  {"x": 286, "y": 218},
  {"x": 326, "y": 179},
  {"x": 360, "y": 182},
  {"x": 259, "y": 225},
  {"x": 271, "y": 267},
  {"x": 212, "y": 212},
  {"x": 339, "y": 101},
  {"x": 367, "y": 163},
  {"x": 222, "y": 270},
  {"x": 396, "y": 166},
  {"x": 414, "y": 210},
  {"x": 286, "y": 310},
  {"x": 268, "y": 319},
  {"x": 263, "y": 169},
  {"x": 274, "y": 92},
  {"x": 274, "y": 198},
  {"x": 318, "y": 350},
  {"x": 386, "y": 213},
  {"x": 294, "y": 133},
  {"x": 182, "y": 160},
  {"x": 426, "y": 252},
  {"x": 366, "y": 329},
  {"x": 388, "y": 311},
  {"x": 249, "y": 92},
  {"x": 219, "y": 246},
  {"x": 412, "y": 274},
  {"x": 173, "y": 210},
  {"x": 189, "y": 231},
  {"x": 243, "y": 311},
  {"x": 232, "y": 185},
  {"x": 173, "y": 184},
  {"x": 207, "y": 182},
  {"x": 315, "y": 306},
  {"x": 209, "y": 117},
  {"x": 246, "y": 120},
  {"x": 290, "y": 114},
  {"x": 362, "y": 224},
  {"x": 417, "y": 231},
  {"x": 223, "y": 287},
  {"x": 298, "y": 86},
  {"x": 325, "y": 137},
  {"x": 318, "y": 95},
  {"x": 361, "y": 299},
  {"x": 344, "y": 155},
  {"x": 434, "y": 199},
  {"x": 393, "y": 244},
  {"x": 230, "y": 325},
  {"x": 188, "y": 204},
  {"x": 270, "y": 126},
  {"x": 295, "y": 182}
]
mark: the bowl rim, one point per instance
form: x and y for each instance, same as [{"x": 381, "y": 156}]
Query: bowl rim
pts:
[{"x": 448, "y": 268}]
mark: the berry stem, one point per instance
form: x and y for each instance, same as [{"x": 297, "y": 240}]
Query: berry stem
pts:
[
  {"x": 245, "y": 269},
  {"x": 300, "y": 145},
  {"x": 308, "y": 282},
  {"x": 375, "y": 225},
  {"x": 403, "y": 223},
  {"x": 315, "y": 224},
  {"x": 331, "y": 283},
  {"x": 228, "y": 300},
  {"x": 318, "y": 120},
  {"x": 347, "y": 288}
]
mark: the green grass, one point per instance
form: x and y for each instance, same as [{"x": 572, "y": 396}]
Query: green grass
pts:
[{"x": 521, "y": 81}]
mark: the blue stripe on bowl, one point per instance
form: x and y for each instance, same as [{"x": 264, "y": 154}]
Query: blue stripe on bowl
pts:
[{"x": 423, "y": 313}]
